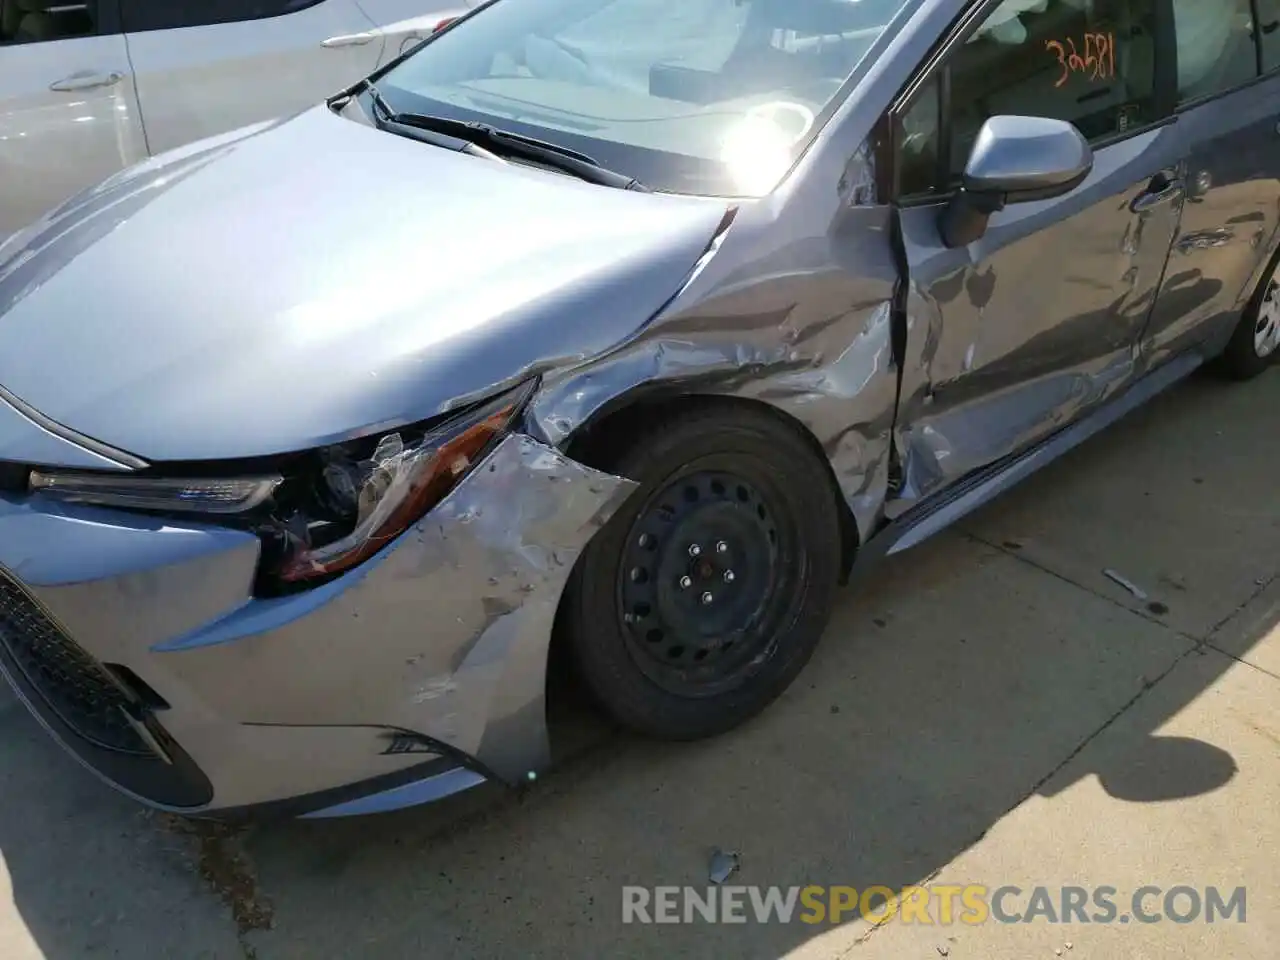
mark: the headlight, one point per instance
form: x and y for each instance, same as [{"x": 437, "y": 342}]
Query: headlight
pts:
[
  {"x": 376, "y": 498},
  {"x": 327, "y": 510}
]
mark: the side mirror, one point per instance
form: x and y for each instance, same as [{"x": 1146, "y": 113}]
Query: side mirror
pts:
[{"x": 1014, "y": 160}]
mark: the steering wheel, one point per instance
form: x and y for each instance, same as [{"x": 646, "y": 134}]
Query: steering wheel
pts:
[{"x": 793, "y": 119}]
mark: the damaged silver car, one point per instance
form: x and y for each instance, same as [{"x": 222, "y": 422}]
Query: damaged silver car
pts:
[{"x": 626, "y": 327}]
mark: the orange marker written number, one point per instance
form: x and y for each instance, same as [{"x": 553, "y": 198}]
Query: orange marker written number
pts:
[{"x": 1098, "y": 61}]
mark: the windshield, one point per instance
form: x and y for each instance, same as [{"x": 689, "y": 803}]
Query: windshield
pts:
[{"x": 712, "y": 97}]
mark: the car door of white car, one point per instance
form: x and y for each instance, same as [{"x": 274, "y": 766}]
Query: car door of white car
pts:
[
  {"x": 68, "y": 114},
  {"x": 408, "y": 22},
  {"x": 204, "y": 67}
]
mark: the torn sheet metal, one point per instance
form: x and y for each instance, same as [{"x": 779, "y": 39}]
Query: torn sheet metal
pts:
[
  {"x": 498, "y": 552},
  {"x": 810, "y": 335},
  {"x": 488, "y": 566}
]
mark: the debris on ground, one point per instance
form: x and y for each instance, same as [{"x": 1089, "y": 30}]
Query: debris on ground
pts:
[
  {"x": 1128, "y": 584},
  {"x": 722, "y": 865}
]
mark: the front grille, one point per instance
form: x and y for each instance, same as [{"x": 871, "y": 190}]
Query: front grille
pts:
[{"x": 75, "y": 686}]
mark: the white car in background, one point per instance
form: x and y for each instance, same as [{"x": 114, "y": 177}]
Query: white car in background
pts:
[{"x": 88, "y": 87}]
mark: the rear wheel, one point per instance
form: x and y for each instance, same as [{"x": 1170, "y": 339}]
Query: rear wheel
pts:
[
  {"x": 705, "y": 595},
  {"x": 1256, "y": 342}
]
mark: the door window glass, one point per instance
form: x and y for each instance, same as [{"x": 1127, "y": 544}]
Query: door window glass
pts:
[
  {"x": 918, "y": 141},
  {"x": 1215, "y": 46},
  {"x": 1090, "y": 62},
  {"x": 34, "y": 21},
  {"x": 141, "y": 15}
]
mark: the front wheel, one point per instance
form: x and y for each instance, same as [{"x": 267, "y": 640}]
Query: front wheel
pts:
[
  {"x": 1256, "y": 342},
  {"x": 705, "y": 595}
]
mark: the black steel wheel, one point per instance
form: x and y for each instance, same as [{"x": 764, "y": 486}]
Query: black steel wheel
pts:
[
  {"x": 705, "y": 595},
  {"x": 706, "y": 579}
]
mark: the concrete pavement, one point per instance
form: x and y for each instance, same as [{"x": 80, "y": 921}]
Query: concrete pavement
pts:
[{"x": 989, "y": 708}]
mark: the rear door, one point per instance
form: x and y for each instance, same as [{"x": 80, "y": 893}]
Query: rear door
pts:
[
  {"x": 1036, "y": 323},
  {"x": 207, "y": 66},
  {"x": 68, "y": 114},
  {"x": 1229, "y": 124}
]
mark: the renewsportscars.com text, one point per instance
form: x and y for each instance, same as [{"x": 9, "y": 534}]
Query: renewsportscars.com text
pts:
[{"x": 939, "y": 904}]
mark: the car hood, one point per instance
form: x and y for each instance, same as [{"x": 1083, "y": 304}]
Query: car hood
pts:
[{"x": 304, "y": 282}]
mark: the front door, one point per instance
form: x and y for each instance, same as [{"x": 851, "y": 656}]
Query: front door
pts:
[
  {"x": 208, "y": 66},
  {"x": 68, "y": 114},
  {"x": 1036, "y": 323}
]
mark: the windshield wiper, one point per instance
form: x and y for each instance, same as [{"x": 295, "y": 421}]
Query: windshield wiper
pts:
[
  {"x": 388, "y": 119},
  {"x": 483, "y": 139}
]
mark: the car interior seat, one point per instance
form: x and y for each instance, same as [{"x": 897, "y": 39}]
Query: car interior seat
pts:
[{"x": 1215, "y": 52}]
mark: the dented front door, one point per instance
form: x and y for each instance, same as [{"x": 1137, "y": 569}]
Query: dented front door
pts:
[{"x": 1036, "y": 323}]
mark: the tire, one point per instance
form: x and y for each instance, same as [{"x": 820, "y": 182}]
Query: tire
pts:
[
  {"x": 1255, "y": 344},
  {"x": 662, "y": 655}
]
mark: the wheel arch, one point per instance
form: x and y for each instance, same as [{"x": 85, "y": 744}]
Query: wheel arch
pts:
[{"x": 607, "y": 431}]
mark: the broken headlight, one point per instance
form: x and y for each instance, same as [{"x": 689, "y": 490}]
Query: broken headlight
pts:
[
  {"x": 357, "y": 497},
  {"x": 325, "y": 511}
]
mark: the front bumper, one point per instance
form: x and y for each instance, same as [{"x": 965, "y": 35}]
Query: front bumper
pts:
[{"x": 137, "y": 643}]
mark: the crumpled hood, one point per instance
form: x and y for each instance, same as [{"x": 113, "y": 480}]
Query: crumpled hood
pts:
[{"x": 303, "y": 282}]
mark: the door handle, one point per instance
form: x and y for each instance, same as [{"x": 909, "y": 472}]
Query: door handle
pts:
[
  {"x": 350, "y": 40},
  {"x": 86, "y": 81},
  {"x": 1160, "y": 190}
]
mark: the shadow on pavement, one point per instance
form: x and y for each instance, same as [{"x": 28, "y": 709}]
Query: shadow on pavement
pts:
[{"x": 956, "y": 683}]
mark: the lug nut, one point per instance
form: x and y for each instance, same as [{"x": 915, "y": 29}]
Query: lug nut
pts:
[
  {"x": 707, "y": 598},
  {"x": 728, "y": 576},
  {"x": 722, "y": 547},
  {"x": 685, "y": 583},
  {"x": 695, "y": 550}
]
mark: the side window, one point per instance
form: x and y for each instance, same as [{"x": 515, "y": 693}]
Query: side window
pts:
[
  {"x": 1215, "y": 46},
  {"x": 1269, "y": 30},
  {"x": 919, "y": 137},
  {"x": 139, "y": 15},
  {"x": 34, "y": 21},
  {"x": 1090, "y": 62}
]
